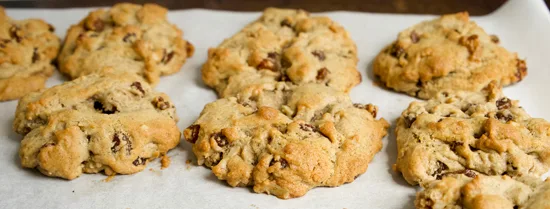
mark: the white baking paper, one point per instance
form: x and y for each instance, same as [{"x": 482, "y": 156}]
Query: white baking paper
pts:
[{"x": 522, "y": 25}]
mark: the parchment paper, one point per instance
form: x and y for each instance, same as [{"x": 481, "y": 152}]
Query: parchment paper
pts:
[{"x": 522, "y": 25}]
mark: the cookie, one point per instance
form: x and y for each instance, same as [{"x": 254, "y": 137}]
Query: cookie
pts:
[
  {"x": 127, "y": 37},
  {"x": 284, "y": 140},
  {"x": 103, "y": 122},
  {"x": 485, "y": 192},
  {"x": 448, "y": 53},
  {"x": 284, "y": 45},
  {"x": 479, "y": 132},
  {"x": 27, "y": 48}
]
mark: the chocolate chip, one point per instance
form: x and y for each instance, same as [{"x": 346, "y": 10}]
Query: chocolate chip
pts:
[
  {"x": 322, "y": 74},
  {"x": 195, "y": 129},
  {"x": 409, "y": 121},
  {"x": 396, "y": 51},
  {"x": 521, "y": 69},
  {"x": 220, "y": 139},
  {"x": 286, "y": 23},
  {"x": 495, "y": 39},
  {"x": 272, "y": 55},
  {"x": 128, "y": 37},
  {"x": 100, "y": 107},
  {"x": 15, "y": 33},
  {"x": 307, "y": 127},
  {"x": 414, "y": 37},
  {"x": 117, "y": 139},
  {"x": 282, "y": 161},
  {"x": 35, "y": 55},
  {"x": 319, "y": 54},
  {"x": 51, "y": 28},
  {"x": 503, "y": 103},
  {"x": 140, "y": 161},
  {"x": 166, "y": 57},
  {"x": 160, "y": 104},
  {"x": 269, "y": 63},
  {"x": 138, "y": 86},
  {"x": 505, "y": 118}
]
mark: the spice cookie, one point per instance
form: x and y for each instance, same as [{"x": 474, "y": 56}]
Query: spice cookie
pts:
[
  {"x": 448, "y": 53},
  {"x": 127, "y": 37},
  {"x": 107, "y": 122},
  {"x": 485, "y": 192},
  {"x": 284, "y": 45},
  {"x": 27, "y": 48},
  {"x": 285, "y": 140},
  {"x": 483, "y": 132}
]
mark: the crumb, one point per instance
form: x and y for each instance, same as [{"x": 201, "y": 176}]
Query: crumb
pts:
[
  {"x": 73, "y": 191},
  {"x": 188, "y": 164},
  {"x": 164, "y": 162},
  {"x": 109, "y": 178},
  {"x": 394, "y": 168},
  {"x": 151, "y": 169},
  {"x": 254, "y": 206}
]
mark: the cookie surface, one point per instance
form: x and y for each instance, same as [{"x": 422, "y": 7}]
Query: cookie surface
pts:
[
  {"x": 107, "y": 122},
  {"x": 285, "y": 140},
  {"x": 448, "y": 53},
  {"x": 127, "y": 37},
  {"x": 27, "y": 48},
  {"x": 483, "y": 132},
  {"x": 283, "y": 45},
  {"x": 485, "y": 192}
]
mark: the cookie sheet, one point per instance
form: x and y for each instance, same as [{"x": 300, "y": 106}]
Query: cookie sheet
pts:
[{"x": 522, "y": 26}]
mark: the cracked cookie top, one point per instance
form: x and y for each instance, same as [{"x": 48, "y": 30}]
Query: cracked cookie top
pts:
[{"x": 448, "y": 53}]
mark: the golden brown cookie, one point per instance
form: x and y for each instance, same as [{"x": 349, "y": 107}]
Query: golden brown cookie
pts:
[
  {"x": 448, "y": 53},
  {"x": 283, "y": 45},
  {"x": 285, "y": 140},
  {"x": 27, "y": 48},
  {"x": 127, "y": 37},
  {"x": 108, "y": 122}
]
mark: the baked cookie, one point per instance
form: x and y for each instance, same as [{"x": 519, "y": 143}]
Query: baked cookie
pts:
[
  {"x": 285, "y": 140},
  {"x": 448, "y": 53},
  {"x": 27, "y": 48},
  {"x": 482, "y": 132},
  {"x": 485, "y": 192},
  {"x": 127, "y": 37},
  {"x": 107, "y": 122},
  {"x": 284, "y": 45}
]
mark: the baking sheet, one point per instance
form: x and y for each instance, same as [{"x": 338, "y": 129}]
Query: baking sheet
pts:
[{"x": 522, "y": 26}]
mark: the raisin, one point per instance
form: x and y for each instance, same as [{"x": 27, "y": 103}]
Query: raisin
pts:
[
  {"x": 307, "y": 127},
  {"x": 167, "y": 57},
  {"x": 469, "y": 173},
  {"x": 272, "y": 55},
  {"x": 472, "y": 148},
  {"x": 97, "y": 26},
  {"x": 419, "y": 84},
  {"x": 414, "y": 37},
  {"x": 440, "y": 168},
  {"x": 322, "y": 74},
  {"x": 35, "y": 55},
  {"x": 140, "y": 161},
  {"x": 521, "y": 69},
  {"x": 500, "y": 116},
  {"x": 160, "y": 104},
  {"x": 286, "y": 23},
  {"x": 504, "y": 103},
  {"x": 15, "y": 33},
  {"x": 409, "y": 121},
  {"x": 369, "y": 107},
  {"x": 495, "y": 39},
  {"x": 128, "y": 37},
  {"x": 99, "y": 107},
  {"x": 117, "y": 138},
  {"x": 319, "y": 54},
  {"x": 3, "y": 43},
  {"x": 138, "y": 86},
  {"x": 195, "y": 129},
  {"x": 285, "y": 63},
  {"x": 51, "y": 28},
  {"x": 397, "y": 51},
  {"x": 479, "y": 134},
  {"x": 282, "y": 161},
  {"x": 220, "y": 139}
]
